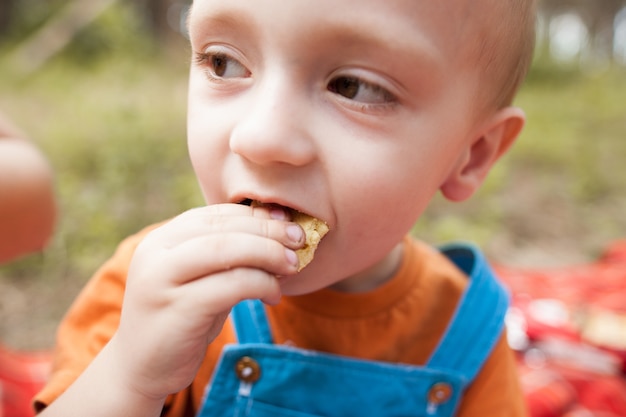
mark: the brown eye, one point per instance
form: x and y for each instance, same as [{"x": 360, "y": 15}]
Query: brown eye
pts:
[
  {"x": 345, "y": 86},
  {"x": 224, "y": 66},
  {"x": 219, "y": 63},
  {"x": 359, "y": 90}
]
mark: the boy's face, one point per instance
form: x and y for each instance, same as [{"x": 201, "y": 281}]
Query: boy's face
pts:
[{"x": 354, "y": 111}]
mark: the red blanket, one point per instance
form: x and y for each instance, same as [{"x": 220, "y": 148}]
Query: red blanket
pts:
[{"x": 569, "y": 327}]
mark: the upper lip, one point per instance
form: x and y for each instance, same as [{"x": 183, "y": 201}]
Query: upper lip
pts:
[{"x": 241, "y": 197}]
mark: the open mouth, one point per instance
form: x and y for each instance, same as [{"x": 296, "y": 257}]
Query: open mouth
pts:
[
  {"x": 314, "y": 230},
  {"x": 255, "y": 203}
]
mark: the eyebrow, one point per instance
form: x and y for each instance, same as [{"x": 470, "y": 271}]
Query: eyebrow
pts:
[
  {"x": 417, "y": 48},
  {"x": 356, "y": 36}
]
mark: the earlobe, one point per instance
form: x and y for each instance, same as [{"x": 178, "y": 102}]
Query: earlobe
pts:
[{"x": 491, "y": 141}]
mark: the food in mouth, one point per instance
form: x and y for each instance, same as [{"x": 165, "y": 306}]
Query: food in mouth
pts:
[{"x": 314, "y": 231}]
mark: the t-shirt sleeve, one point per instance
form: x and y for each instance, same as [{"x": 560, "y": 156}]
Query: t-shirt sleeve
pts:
[
  {"x": 90, "y": 322},
  {"x": 496, "y": 391}
]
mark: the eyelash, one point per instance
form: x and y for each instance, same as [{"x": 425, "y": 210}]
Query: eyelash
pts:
[
  {"x": 363, "y": 87},
  {"x": 204, "y": 60},
  {"x": 201, "y": 58}
]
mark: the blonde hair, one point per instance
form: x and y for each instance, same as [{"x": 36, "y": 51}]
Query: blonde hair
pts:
[{"x": 504, "y": 49}]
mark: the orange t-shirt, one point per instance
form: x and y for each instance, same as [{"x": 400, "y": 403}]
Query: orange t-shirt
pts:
[{"x": 401, "y": 321}]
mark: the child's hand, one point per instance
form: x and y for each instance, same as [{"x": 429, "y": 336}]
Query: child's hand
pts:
[{"x": 184, "y": 279}]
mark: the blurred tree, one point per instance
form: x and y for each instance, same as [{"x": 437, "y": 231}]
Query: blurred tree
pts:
[
  {"x": 7, "y": 9},
  {"x": 57, "y": 32},
  {"x": 18, "y": 18},
  {"x": 156, "y": 15},
  {"x": 598, "y": 16}
]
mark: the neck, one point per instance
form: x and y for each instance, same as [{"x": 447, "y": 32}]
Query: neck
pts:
[{"x": 374, "y": 276}]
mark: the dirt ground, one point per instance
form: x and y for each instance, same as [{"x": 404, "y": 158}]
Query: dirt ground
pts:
[{"x": 30, "y": 312}]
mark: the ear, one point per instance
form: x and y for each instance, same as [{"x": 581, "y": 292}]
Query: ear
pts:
[{"x": 491, "y": 141}]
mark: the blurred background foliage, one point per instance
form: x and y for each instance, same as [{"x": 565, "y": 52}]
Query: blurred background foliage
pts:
[{"x": 108, "y": 108}]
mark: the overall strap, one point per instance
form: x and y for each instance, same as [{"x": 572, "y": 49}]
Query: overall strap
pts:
[
  {"x": 251, "y": 323},
  {"x": 478, "y": 321}
]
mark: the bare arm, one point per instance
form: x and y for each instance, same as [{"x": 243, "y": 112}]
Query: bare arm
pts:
[
  {"x": 105, "y": 390},
  {"x": 27, "y": 200}
]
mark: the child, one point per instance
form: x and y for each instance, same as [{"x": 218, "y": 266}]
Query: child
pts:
[
  {"x": 353, "y": 111},
  {"x": 27, "y": 200}
]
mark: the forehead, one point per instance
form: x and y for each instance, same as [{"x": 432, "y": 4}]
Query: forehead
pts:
[{"x": 441, "y": 24}]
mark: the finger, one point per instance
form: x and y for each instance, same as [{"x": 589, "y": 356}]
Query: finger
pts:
[
  {"x": 207, "y": 254},
  {"x": 228, "y": 209},
  {"x": 288, "y": 233},
  {"x": 221, "y": 291},
  {"x": 194, "y": 224}
]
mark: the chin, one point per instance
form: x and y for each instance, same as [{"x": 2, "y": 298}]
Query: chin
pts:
[{"x": 304, "y": 282}]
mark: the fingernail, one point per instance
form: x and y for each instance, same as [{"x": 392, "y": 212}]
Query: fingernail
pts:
[
  {"x": 295, "y": 232},
  {"x": 292, "y": 257}
]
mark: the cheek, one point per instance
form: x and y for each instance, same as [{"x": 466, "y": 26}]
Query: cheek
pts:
[
  {"x": 197, "y": 144},
  {"x": 383, "y": 179},
  {"x": 381, "y": 199},
  {"x": 205, "y": 147},
  {"x": 387, "y": 202}
]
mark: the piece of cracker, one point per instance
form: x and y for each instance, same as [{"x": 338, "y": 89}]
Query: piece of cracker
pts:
[{"x": 315, "y": 230}]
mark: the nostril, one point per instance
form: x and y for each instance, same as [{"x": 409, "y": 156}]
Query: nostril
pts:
[{"x": 269, "y": 143}]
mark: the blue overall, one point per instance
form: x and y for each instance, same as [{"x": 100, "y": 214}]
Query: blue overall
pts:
[{"x": 257, "y": 378}]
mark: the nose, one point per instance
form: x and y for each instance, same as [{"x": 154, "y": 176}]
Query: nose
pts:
[{"x": 273, "y": 127}]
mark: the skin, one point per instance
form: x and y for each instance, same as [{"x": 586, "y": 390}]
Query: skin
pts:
[
  {"x": 27, "y": 198},
  {"x": 339, "y": 115}
]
